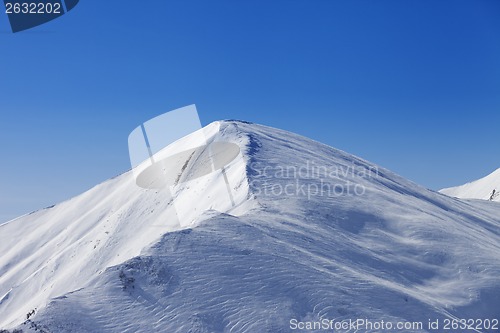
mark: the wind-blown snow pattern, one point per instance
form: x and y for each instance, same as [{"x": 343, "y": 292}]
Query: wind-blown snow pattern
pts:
[
  {"x": 486, "y": 188},
  {"x": 316, "y": 234}
]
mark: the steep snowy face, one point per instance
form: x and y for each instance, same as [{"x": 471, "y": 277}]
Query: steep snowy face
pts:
[
  {"x": 486, "y": 188},
  {"x": 57, "y": 250},
  {"x": 311, "y": 232}
]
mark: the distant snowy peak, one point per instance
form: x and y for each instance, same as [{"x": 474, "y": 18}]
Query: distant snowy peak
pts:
[{"x": 487, "y": 188}]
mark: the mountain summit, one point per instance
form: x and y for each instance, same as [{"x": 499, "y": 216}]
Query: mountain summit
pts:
[
  {"x": 305, "y": 233},
  {"x": 486, "y": 188}
]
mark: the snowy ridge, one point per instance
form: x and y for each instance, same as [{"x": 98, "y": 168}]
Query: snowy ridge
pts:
[
  {"x": 318, "y": 233},
  {"x": 480, "y": 189},
  {"x": 58, "y": 250}
]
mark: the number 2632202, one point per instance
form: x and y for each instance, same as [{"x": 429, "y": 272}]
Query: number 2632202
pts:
[{"x": 33, "y": 8}]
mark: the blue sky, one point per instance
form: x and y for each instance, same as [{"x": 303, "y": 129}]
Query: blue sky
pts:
[{"x": 411, "y": 85}]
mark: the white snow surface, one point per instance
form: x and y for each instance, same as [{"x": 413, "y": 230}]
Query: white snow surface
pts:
[
  {"x": 479, "y": 189},
  {"x": 316, "y": 234}
]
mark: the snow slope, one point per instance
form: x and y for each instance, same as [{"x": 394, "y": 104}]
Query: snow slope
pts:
[
  {"x": 316, "y": 234},
  {"x": 479, "y": 189}
]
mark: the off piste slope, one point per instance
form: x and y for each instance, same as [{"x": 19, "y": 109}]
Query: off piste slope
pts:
[
  {"x": 59, "y": 249},
  {"x": 316, "y": 235},
  {"x": 479, "y": 189}
]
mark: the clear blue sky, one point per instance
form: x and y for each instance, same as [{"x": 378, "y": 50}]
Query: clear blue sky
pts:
[{"x": 411, "y": 85}]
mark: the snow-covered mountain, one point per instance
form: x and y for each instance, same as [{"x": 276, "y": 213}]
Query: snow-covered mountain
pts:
[
  {"x": 315, "y": 234},
  {"x": 486, "y": 188}
]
